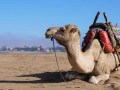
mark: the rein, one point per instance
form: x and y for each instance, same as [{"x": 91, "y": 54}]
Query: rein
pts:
[{"x": 52, "y": 39}]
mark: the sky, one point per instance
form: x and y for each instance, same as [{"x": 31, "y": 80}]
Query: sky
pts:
[{"x": 24, "y": 22}]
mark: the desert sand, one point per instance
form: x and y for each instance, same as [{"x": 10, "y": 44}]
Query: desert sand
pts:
[{"x": 38, "y": 71}]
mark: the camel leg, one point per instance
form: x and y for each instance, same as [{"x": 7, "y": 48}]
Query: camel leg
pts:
[
  {"x": 75, "y": 75},
  {"x": 97, "y": 79}
]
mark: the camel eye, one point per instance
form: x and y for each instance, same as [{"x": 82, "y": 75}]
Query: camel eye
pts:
[{"x": 62, "y": 29}]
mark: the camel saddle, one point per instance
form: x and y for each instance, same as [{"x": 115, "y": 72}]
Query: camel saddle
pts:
[{"x": 103, "y": 33}]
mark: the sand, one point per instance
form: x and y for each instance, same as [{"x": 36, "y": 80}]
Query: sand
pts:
[{"x": 37, "y": 71}]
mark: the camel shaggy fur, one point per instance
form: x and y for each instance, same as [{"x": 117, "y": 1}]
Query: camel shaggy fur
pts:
[{"x": 91, "y": 62}]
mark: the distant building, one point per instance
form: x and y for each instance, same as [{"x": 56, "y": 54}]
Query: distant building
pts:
[
  {"x": 33, "y": 48},
  {"x": 47, "y": 50}
]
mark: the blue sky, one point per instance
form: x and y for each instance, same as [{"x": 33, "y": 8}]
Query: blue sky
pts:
[{"x": 29, "y": 19}]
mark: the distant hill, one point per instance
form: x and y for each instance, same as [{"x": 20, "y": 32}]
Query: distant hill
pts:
[{"x": 12, "y": 41}]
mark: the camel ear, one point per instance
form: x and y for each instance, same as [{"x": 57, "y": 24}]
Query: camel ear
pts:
[
  {"x": 62, "y": 28},
  {"x": 73, "y": 30}
]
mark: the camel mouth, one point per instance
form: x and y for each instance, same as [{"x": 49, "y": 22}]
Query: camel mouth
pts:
[{"x": 48, "y": 36}]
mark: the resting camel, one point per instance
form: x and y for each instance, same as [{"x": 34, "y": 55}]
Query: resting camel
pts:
[{"x": 91, "y": 62}]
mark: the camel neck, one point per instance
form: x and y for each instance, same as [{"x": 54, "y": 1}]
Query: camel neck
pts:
[
  {"x": 77, "y": 58},
  {"x": 73, "y": 48}
]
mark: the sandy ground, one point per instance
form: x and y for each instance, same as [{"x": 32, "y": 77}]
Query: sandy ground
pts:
[{"x": 36, "y": 71}]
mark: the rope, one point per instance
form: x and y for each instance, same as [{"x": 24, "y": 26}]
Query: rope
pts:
[
  {"x": 116, "y": 68},
  {"x": 118, "y": 57},
  {"x": 57, "y": 62}
]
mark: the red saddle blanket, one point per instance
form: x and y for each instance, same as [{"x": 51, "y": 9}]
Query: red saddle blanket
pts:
[{"x": 101, "y": 35}]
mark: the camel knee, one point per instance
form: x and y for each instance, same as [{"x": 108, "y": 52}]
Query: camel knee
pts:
[
  {"x": 103, "y": 77},
  {"x": 93, "y": 80},
  {"x": 106, "y": 77},
  {"x": 97, "y": 79}
]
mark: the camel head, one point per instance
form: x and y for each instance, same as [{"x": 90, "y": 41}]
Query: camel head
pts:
[
  {"x": 63, "y": 34},
  {"x": 51, "y": 32}
]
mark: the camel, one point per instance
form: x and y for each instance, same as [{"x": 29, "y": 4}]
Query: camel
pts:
[{"x": 92, "y": 62}]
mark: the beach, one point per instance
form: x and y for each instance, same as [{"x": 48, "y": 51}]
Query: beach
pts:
[{"x": 38, "y": 71}]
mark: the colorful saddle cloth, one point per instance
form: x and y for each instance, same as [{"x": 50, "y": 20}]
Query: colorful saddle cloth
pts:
[{"x": 116, "y": 31}]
